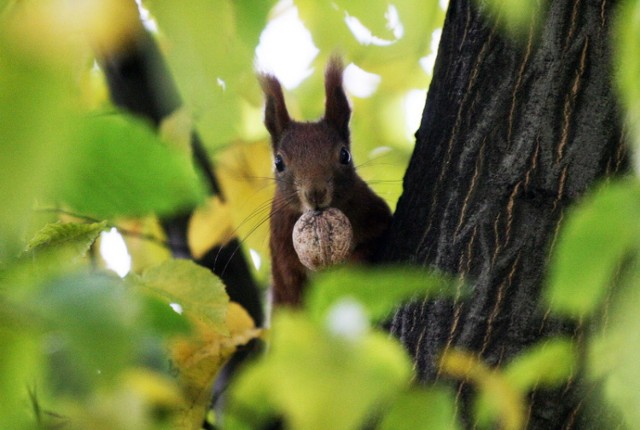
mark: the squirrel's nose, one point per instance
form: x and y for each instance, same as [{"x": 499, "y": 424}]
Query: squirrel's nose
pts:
[{"x": 317, "y": 198}]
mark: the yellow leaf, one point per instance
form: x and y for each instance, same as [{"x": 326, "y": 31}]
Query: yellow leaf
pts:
[
  {"x": 199, "y": 357},
  {"x": 93, "y": 89},
  {"x": 177, "y": 129},
  {"x": 498, "y": 397},
  {"x": 200, "y": 293},
  {"x": 209, "y": 226},
  {"x": 246, "y": 179},
  {"x": 156, "y": 389},
  {"x": 245, "y": 173},
  {"x": 59, "y": 30}
]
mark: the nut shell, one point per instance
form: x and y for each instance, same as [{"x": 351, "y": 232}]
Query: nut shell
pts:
[{"x": 322, "y": 238}]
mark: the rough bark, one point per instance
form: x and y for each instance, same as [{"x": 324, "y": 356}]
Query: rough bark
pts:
[{"x": 512, "y": 134}]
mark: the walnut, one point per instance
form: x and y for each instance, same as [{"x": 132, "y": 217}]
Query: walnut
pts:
[{"x": 322, "y": 238}]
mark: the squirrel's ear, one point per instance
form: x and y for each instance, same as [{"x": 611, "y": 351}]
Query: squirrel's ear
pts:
[
  {"x": 337, "y": 111},
  {"x": 276, "y": 117}
]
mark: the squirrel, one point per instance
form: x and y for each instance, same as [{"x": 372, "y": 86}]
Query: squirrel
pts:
[{"x": 314, "y": 170}]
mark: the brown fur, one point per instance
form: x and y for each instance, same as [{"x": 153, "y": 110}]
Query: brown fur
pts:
[{"x": 315, "y": 178}]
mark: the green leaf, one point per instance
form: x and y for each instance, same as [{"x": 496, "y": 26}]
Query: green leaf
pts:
[
  {"x": 250, "y": 404},
  {"x": 122, "y": 168},
  {"x": 79, "y": 236},
  {"x": 627, "y": 40},
  {"x": 422, "y": 409},
  {"x": 251, "y": 18},
  {"x": 36, "y": 122},
  {"x": 593, "y": 241},
  {"x": 497, "y": 400},
  {"x": 213, "y": 64},
  {"x": 21, "y": 362},
  {"x": 612, "y": 353},
  {"x": 5, "y": 5},
  {"x": 315, "y": 16},
  {"x": 371, "y": 14},
  {"x": 162, "y": 318},
  {"x": 196, "y": 289},
  {"x": 515, "y": 16},
  {"x": 94, "y": 323},
  {"x": 320, "y": 381},
  {"x": 378, "y": 289},
  {"x": 548, "y": 364},
  {"x": 24, "y": 277}
]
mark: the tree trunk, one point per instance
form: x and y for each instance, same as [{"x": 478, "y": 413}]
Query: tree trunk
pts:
[{"x": 512, "y": 134}]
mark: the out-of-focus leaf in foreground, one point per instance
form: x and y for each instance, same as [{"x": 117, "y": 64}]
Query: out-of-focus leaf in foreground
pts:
[
  {"x": 318, "y": 380},
  {"x": 592, "y": 243},
  {"x": 94, "y": 321},
  {"x": 515, "y": 16},
  {"x": 379, "y": 289},
  {"x": 422, "y": 409},
  {"x": 627, "y": 31},
  {"x": 612, "y": 356},
  {"x": 122, "y": 168},
  {"x": 500, "y": 400},
  {"x": 549, "y": 364}
]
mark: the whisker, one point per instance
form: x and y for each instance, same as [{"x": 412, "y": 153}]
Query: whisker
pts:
[
  {"x": 385, "y": 181},
  {"x": 278, "y": 206},
  {"x": 370, "y": 163}
]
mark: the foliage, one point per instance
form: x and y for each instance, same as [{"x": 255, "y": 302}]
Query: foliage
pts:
[
  {"x": 593, "y": 277},
  {"x": 83, "y": 348},
  {"x": 627, "y": 34},
  {"x": 515, "y": 17},
  {"x": 392, "y": 285},
  {"x": 336, "y": 372},
  {"x": 91, "y": 346},
  {"x": 81, "y": 236}
]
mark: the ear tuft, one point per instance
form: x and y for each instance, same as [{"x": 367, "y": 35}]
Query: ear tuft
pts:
[
  {"x": 276, "y": 117},
  {"x": 337, "y": 111}
]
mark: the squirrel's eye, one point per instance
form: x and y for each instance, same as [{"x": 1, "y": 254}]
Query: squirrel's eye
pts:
[
  {"x": 279, "y": 163},
  {"x": 345, "y": 156}
]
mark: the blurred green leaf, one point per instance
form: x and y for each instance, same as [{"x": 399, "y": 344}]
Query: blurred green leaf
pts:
[
  {"x": 627, "y": 40},
  {"x": 612, "y": 354},
  {"x": 422, "y": 409},
  {"x": 162, "y": 318},
  {"x": 319, "y": 381},
  {"x": 35, "y": 100},
  {"x": 79, "y": 236},
  {"x": 592, "y": 242},
  {"x": 83, "y": 330},
  {"x": 372, "y": 15},
  {"x": 196, "y": 289},
  {"x": 20, "y": 364},
  {"x": 92, "y": 326},
  {"x": 251, "y": 405},
  {"x": 251, "y": 18},
  {"x": 515, "y": 16},
  {"x": 328, "y": 38},
  {"x": 210, "y": 51},
  {"x": 5, "y": 6},
  {"x": 378, "y": 289},
  {"x": 122, "y": 168},
  {"x": 497, "y": 400},
  {"x": 22, "y": 280},
  {"x": 548, "y": 364}
]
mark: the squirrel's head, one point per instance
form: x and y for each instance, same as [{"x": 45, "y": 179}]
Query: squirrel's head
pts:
[{"x": 312, "y": 160}]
